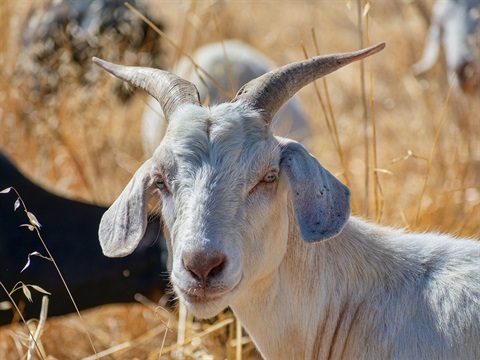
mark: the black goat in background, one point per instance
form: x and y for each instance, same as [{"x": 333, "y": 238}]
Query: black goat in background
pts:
[{"x": 69, "y": 229}]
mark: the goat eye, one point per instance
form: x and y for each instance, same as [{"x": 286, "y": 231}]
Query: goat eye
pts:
[
  {"x": 270, "y": 177},
  {"x": 160, "y": 184}
]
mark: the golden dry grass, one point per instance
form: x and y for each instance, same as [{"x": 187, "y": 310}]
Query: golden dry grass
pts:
[{"x": 86, "y": 143}]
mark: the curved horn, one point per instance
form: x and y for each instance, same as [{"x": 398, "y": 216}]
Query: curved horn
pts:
[
  {"x": 168, "y": 89},
  {"x": 271, "y": 90}
]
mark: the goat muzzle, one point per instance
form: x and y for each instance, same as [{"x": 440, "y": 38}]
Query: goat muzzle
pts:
[{"x": 204, "y": 266}]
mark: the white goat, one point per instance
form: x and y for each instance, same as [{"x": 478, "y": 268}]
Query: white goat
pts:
[
  {"x": 231, "y": 64},
  {"x": 236, "y": 202},
  {"x": 456, "y": 25}
]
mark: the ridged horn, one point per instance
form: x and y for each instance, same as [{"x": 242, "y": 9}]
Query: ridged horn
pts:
[
  {"x": 168, "y": 89},
  {"x": 271, "y": 90}
]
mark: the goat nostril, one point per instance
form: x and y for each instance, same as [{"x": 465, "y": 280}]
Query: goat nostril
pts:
[
  {"x": 203, "y": 266},
  {"x": 217, "y": 269}
]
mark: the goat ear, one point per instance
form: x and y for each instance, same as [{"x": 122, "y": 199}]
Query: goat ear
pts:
[
  {"x": 124, "y": 223},
  {"x": 321, "y": 202}
]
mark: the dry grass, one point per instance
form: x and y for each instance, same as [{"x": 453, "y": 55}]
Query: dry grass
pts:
[{"x": 85, "y": 143}]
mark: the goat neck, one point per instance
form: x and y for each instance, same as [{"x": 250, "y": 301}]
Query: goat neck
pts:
[{"x": 332, "y": 297}]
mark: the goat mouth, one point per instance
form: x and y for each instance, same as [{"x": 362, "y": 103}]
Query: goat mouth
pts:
[
  {"x": 201, "y": 295},
  {"x": 200, "y": 298}
]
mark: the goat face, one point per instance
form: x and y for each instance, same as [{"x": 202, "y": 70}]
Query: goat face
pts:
[
  {"x": 216, "y": 175},
  {"x": 221, "y": 182}
]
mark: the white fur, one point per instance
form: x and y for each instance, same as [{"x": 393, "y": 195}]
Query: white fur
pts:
[{"x": 369, "y": 293}]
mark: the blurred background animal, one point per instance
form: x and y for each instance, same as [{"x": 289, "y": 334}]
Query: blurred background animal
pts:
[
  {"x": 454, "y": 27},
  {"x": 61, "y": 37},
  {"x": 69, "y": 228}
]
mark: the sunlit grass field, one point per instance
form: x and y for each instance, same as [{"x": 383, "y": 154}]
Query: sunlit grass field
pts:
[{"x": 409, "y": 147}]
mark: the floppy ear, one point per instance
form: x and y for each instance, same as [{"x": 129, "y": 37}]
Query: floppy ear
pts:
[
  {"x": 321, "y": 202},
  {"x": 124, "y": 223}
]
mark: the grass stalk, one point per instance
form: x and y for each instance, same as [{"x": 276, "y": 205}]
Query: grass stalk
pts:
[
  {"x": 377, "y": 189},
  {"x": 19, "y": 312},
  {"x": 128, "y": 345},
  {"x": 40, "y": 326},
  {"x": 211, "y": 329},
  {"x": 239, "y": 340},
  {"x": 182, "y": 324},
  {"x": 432, "y": 152},
  {"x": 227, "y": 61},
  {"x": 366, "y": 136},
  {"x": 35, "y": 226}
]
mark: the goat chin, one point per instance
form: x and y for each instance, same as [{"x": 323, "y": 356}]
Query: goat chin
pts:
[{"x": 205, "y": 308}]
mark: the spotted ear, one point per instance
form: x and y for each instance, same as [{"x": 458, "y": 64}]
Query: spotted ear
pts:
[
  {"x": 124, "y": 223},
  {"x": 321, "y": 202}
]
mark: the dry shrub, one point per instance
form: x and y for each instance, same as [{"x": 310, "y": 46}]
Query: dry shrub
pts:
[{"x": 86, "y": 144}]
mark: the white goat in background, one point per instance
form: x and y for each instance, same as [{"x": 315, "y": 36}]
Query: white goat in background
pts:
[
  {"x": 231, "y": 63},
  {"x": 237, "y": 201},
  {"x": 455, "y": 25}
]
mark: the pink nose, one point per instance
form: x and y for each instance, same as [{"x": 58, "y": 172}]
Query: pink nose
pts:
[{"x": 203, "y": 265}]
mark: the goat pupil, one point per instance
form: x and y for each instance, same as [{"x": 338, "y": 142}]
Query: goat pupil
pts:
[
  {"x": 160, "y": 184},
  {"x": 270, "y": 178}
]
